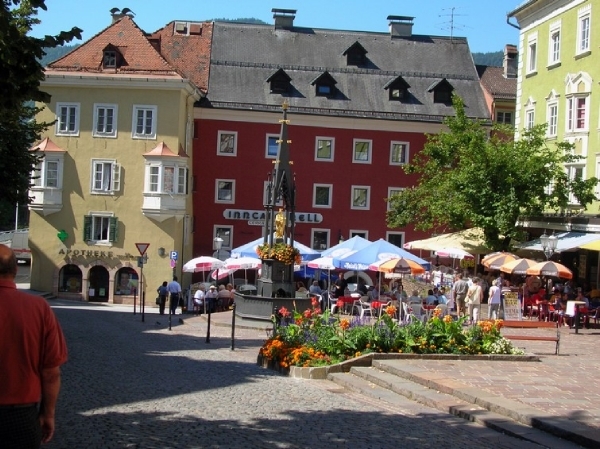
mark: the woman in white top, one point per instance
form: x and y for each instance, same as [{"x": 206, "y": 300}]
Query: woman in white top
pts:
[
  {"x": 494, "y": 302},
  {"x": 473, "y": 299}
]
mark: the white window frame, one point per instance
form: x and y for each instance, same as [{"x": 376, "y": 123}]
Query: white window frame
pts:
[
  {"x": 106, "y": 107},
  {"x": 390, "y": 233},
  {"x": 104, "y": 216},
  {"x": 42, "y": 172},
  {"x": 597, "y": 175},
  {"x": 405, "y": 151},
  {"x": 361, "y": 232},
  {"x": 573, "y": 108},
  {"x": 110, "y": 183},
  {"x": 267, "y": 138},
  {"x": 529, "y": 118},
  {"x": 223, "y": 134},
  {"x": 532, "y": 54},
  {"x": 225, "y": 201},
  {"x": 159, "y": 180},
  {"x": 392, "y": 191},
  {"x": 145, "y": 109},
  {"x": 571, "y": 172},
  {"x": 327, "y": 240},
  {"x": 584, "y": 30},
  {"x": 70, "y": 125},
  {"x": 330, "y": 197},
  {"x": 552, "y": 119},
  {"x": 554, "y": 44},
  {"x": 353, "y": 191},
  {"x": 369, "y": 143},
  {"x": 332, "y": 149},
  {"x": 227, "y": 236}
]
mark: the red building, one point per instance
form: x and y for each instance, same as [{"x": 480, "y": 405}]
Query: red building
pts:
[{"x": 360, "y": 106}]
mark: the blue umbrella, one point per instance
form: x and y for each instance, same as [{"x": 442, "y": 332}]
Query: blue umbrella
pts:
[
  {"x": 374, "y": 252},
  {"x": 341, "y": 249},
  {"x": 249, "y": 250}
]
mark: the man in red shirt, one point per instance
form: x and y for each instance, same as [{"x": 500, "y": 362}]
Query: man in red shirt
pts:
[{"x": 32, "y": 349}]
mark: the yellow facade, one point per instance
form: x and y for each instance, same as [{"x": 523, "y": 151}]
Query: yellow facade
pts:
[
  {"x": 558, "y": 74},
  {"x": 121, "y": 162}
]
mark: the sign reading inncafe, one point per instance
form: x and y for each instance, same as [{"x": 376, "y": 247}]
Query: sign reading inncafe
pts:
[{"x": 242, "y": 214}]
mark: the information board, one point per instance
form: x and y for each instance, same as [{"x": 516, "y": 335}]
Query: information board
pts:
[{"x": 511, "y": 306}]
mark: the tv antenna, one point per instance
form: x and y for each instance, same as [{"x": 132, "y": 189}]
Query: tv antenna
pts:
[{"x": 451, "y": 24}]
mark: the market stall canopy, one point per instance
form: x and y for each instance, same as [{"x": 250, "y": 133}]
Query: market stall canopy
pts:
[
  {"x": 550, "y": 268},
  {"x": 470, "y": 240},
  {"x": 566, "y": 241},
  {"x": 249, "y": 250},
  {"x": 374, "y": 252},
  {"x": 341, "y": 249}
]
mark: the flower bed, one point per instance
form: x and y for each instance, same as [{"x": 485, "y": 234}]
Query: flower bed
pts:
[{"x": 314, "y": 339}]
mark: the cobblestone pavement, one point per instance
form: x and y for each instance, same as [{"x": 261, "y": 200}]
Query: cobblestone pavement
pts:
[{"x": 134, "y": 384}]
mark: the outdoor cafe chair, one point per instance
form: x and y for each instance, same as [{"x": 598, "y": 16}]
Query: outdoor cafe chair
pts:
[{"x": 363, "y": 307}]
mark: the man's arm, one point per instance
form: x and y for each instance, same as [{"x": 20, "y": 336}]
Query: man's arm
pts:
[{"x": 50, "y": 389}]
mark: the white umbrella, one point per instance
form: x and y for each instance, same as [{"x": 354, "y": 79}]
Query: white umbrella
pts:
[
  {"x": 242, "y": 263},
  {"x": 202, "y": 263},
  {"x": 454, "y": 253}
]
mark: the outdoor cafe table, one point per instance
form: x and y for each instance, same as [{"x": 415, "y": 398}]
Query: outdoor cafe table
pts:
[
  {"x": 429, "y": 308},
  {"x": 344, "y": 303}
]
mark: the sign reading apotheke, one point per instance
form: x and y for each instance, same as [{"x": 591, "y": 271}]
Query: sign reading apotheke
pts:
[
  {"x": 255, "y": 215},
  {"x": 95, "y": 254}
]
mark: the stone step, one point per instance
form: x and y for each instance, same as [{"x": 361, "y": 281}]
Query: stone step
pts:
[{"x": 393, "y": 389}]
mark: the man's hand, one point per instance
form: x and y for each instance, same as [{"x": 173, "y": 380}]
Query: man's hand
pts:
[{"x": 47, "y": 423}]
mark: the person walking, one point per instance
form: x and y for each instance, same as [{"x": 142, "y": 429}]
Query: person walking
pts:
[
  {"x": 495, "y": 295},
  {"x": 162, "y": 297},
  {"x": 459, "y": 292},
  {"x": 174, "y": 289},
  {"x": 473, "y": 299},
  {"x": 32, "y": 350}
]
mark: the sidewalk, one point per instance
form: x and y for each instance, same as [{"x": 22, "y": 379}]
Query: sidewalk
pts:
[{"x": 560, "y": 392}]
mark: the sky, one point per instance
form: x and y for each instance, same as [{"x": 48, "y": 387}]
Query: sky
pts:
[{"x": 482, "y": 22}]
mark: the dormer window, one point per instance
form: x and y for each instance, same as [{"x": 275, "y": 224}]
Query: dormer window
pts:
[
  {"x": 279, "y": 82},
  {"x": 355, "y": 54},
  {"x": 442, "y": 91},
  {"x": 397, "y": 89},
  {"x": 324, "y": 85},
  {"x": 110, "y": 59}
]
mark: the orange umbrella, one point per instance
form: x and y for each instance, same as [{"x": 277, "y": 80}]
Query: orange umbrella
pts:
[
  {"x": 398, "y": 265},
  {"x": 550, "y": 268},
  {"x": 518, "y": 266},
  {"x": 496, "y": 260}
]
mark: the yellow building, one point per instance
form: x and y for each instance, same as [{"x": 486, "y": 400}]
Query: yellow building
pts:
[{"x": 115, "y": 171}]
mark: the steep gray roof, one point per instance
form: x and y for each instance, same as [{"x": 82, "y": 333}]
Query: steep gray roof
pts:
[{"x": 244, "y": 56}]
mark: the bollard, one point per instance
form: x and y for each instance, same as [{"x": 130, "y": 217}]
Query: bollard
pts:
[
  {"x": 208, "y": 321},
  {"x": 170, "y": 301},
  {"x": 233, "y": 327}
]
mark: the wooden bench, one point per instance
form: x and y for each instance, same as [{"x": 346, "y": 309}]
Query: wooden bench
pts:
[{"x": 533, "y": 324}]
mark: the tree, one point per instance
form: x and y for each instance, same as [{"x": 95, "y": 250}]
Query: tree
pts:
[
  {"x": 20, "y": 76},
  {"x": 469, "y": 176}
]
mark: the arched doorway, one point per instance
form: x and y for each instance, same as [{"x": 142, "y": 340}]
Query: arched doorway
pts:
[{"x": 98, "y": 284}]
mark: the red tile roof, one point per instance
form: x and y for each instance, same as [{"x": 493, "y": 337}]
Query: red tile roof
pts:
[
  {"x": 139, "y": 56},
  {"x": 47, "y": 145},
  {"x": 163, "y": 150},
  {"x": 494, "y": 81}
]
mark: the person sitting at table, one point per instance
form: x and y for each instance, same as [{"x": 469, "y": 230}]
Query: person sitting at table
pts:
[
  {"x": 373, "y": 293},
  {"x": 442, "y": 296},
  {"x": 314, "y": 289},
  {"x": 361, "y": 287},
  {"x": 415, "y": 298},
  {"x": 431, "y": 299}
]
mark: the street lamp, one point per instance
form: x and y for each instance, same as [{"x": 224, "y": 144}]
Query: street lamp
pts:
[
  {"x": 548, "y": 244},
  {"x": 218, "y": 242}
]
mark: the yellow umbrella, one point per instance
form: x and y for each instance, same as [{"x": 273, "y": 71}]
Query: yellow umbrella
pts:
[{"x": 398, "y": 265}]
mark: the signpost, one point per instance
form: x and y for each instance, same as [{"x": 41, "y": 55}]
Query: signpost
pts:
[
  {"x": 512, "y": 306},
  {"x": 142, "y": 247}
]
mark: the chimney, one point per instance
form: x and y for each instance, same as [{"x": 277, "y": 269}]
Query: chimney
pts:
[
  {"x": 510, "y": 61},
  {"x": 284, "y": 18},
  {"x": 400, "y": 26},
  {"x": 118, "y": 14}
]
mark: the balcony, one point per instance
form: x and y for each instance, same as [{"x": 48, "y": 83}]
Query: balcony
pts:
[
  {"x": 162, "y": 206},
  {"x": 46, "y": 200}
]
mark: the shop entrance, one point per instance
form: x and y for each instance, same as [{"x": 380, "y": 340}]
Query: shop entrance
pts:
[{"x": 98, "y": 284}]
